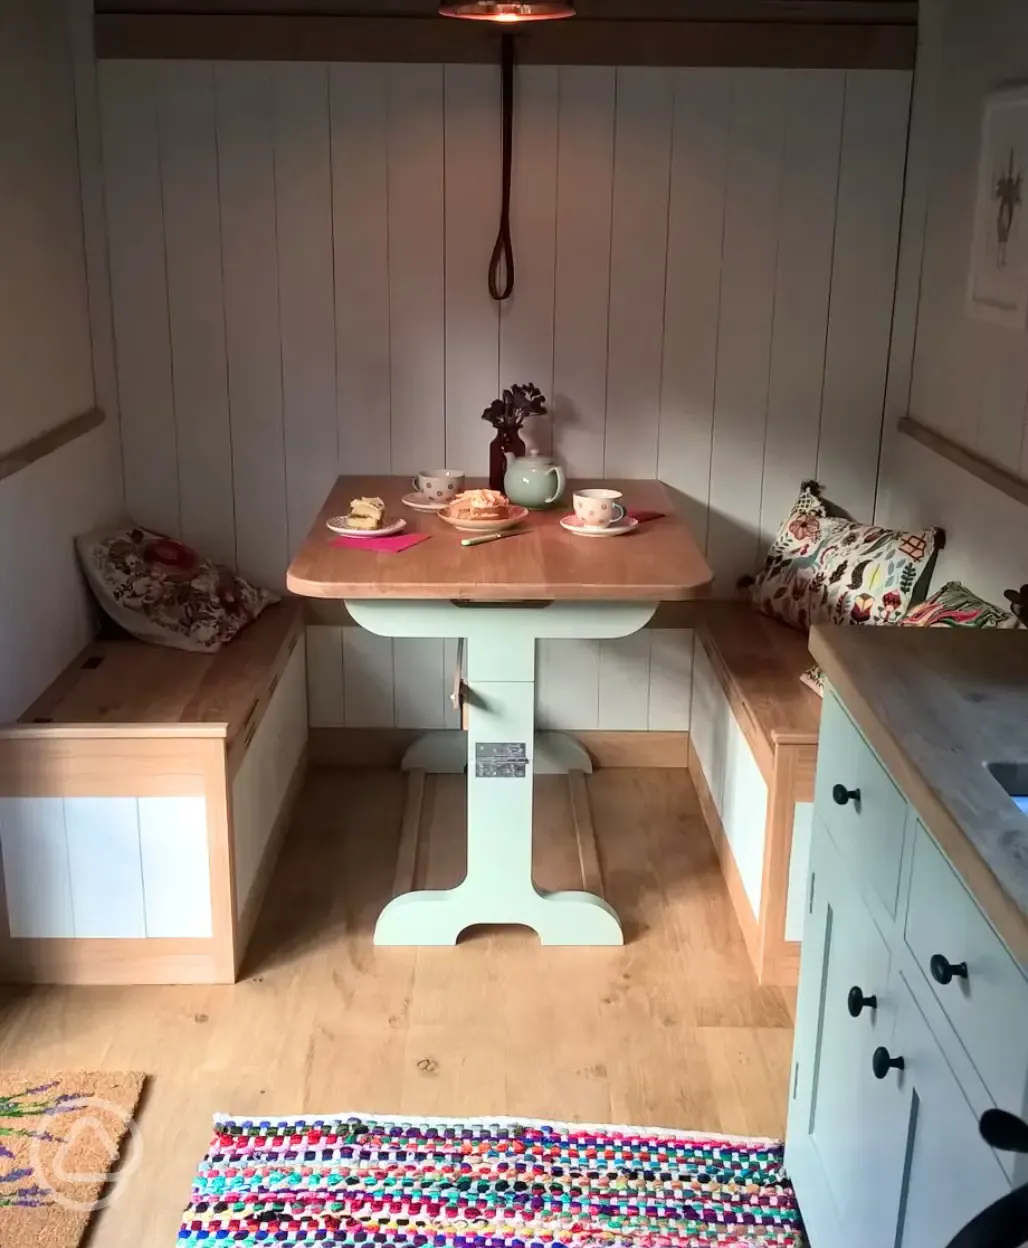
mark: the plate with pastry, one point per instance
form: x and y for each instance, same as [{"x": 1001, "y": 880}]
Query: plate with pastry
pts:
[
  {"x": 483, "y": 511},
  {"x": 367, "y": 518}
]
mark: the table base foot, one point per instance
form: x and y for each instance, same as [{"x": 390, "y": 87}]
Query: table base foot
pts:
[
  {"x": 438, "y": 753},
  {"x": 445, "y": 753},
  {"x": 437, "y": 919}
]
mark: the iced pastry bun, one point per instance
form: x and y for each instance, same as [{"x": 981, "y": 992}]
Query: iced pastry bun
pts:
[{"x": 480, "y": 505}]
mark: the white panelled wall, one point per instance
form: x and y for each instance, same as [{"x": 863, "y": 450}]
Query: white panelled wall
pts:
[{"x": 706, "y": 263}]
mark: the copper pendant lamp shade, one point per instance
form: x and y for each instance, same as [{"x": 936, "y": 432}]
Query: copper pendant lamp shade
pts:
[{"x": 498, "y": 11}]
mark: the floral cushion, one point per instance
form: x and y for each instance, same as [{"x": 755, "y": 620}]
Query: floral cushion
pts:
[
  {"x": 955, "y": 606},
  {"x": 828, "y": 569},
  {"x": 814, "y": 679},
  {"x": 161, "y": 591}
]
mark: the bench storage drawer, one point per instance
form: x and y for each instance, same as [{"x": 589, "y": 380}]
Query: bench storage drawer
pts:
[
  {"x": 141, "y": 802},
  {"x": 862, "y": 808}
]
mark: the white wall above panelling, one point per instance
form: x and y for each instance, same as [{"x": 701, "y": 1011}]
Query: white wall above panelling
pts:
[
  {"x": 966, "y": 378},
  {"x": 685, "y": 239},
  {"x": 46, "y": 373}
]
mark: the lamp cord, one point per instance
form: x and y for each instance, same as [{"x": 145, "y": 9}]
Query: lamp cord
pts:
[{"x": 503, "y": 252}]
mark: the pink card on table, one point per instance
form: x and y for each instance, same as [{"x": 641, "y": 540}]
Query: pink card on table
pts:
[
  {"x": 644, "y": 517},
  {"x": 382, "y": 545}
]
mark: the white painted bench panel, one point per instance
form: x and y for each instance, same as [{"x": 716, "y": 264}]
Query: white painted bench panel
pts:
[
  {"x": 36, "y": 874},
  {"x": 176, "y": 866},
  {"x": 106, "y": 867},
  {"x": 261, "y": 782}
]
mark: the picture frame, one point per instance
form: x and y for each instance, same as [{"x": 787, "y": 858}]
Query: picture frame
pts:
[{"x": 997, "y": 289}]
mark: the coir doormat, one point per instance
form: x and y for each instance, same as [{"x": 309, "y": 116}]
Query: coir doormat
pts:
[{"x": 61, "y": 1135}]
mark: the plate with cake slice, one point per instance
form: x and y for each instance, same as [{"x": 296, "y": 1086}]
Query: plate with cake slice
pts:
[
  {"x": 367, "y": 518},
  {"x": 484, "y": 512}
]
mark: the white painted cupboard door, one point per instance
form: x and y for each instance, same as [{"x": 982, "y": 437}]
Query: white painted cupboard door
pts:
[{"x": 952, "y": 1173}]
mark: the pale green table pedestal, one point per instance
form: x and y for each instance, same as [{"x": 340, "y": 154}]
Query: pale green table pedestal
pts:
[{"x": 502, "y": 757}]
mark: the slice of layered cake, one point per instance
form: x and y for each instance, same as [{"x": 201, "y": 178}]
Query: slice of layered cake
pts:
[{"x": 366, "y": 513}]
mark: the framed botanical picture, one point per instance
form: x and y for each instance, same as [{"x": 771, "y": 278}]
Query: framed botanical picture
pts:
[{"x": 998, "y": 285}]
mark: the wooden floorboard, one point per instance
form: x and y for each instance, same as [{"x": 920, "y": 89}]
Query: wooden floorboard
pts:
[{"x": 672, "y": 1030}]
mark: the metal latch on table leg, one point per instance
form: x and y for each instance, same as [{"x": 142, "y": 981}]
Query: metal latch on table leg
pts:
[{"x": 459, "y": 696}]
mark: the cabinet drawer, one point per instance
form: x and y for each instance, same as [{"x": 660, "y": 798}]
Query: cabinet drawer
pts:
[
  {"x": 863, "y": 809},
  {"x": 986, "y": 998}
]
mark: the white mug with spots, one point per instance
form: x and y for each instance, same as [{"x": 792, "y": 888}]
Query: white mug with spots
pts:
[
  {"x": 442, "y": 485},
  {"x": 599, "y": 509}
]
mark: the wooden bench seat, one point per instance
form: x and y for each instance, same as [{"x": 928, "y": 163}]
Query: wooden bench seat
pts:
[
  {"x": 142, "y": 800},
  {"x": 753, "y": 753}
]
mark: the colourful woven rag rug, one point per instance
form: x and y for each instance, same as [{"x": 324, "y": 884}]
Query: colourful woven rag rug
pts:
[{"x": 485, "y": 1184}]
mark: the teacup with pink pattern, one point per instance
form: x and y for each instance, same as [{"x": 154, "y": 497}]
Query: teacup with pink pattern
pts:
[{"x": 599, "y": 509}]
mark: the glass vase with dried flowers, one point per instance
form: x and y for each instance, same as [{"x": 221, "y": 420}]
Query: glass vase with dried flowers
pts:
[{"x": 507, "y": 415}]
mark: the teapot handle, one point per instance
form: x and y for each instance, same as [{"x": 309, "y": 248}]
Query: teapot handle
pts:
[{"x": 562, "y": 482}]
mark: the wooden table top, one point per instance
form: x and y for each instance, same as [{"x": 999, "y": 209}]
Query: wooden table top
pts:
[{"x": 659, "y": 562}]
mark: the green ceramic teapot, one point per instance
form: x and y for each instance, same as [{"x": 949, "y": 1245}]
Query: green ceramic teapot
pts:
[{"x": 536, "y": 481}]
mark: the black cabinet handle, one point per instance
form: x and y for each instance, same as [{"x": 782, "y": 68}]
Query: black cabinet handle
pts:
[
  {"x": 856, "y": 1003},
  {"x": 882, "y": 1062},
  {"x": 944, "y": 972},
  {"x": 1004, "y": 1131},
  {"x": 842, "y": 796}
]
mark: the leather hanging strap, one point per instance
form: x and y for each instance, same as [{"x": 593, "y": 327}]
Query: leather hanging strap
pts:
[{"x": 501, "y": 266}]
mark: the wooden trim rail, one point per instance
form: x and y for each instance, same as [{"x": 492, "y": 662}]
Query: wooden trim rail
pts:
[
  {"x": 296, "y": 37},
  {"x": 1001, "y": 479},
  {"x": 52, "y": 440}
]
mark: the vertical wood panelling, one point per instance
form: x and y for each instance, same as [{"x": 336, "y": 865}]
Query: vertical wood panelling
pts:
[
  {"x": 671, "y": 660},
  {"x": 747, "y": 311},
  {"x": 303, "y": 189},
  {"x": 105, "y": 868},
  {"x": 638, "y": 269},
  {"x": 416, "y": 267},
  {"x": 368, "y": 679},
  {"x": 176, "y": 871},
  {"x": 693, "y": 304},
  {"x": 585, "y": 180},
  {"x": 624, "y": 700},
  {"x": 360, "y": 203},
  {"x": 863, "y": 284},
  {"x": 37, "y": 880},
  {"x": 132, "y": 178},
  {"x": 246, "y": 132},
  {"x": 196, "y": 306},
  {"x": 568, "y": 684},
  {"x": 420, "y": 686},
  {"x": 526, "y": 319},
  {"x": 472, "y": 172},
  {"x": 325, "y": 690},
  {"x": 813, "y": 129},
  {"x": 321, "y": 234},
  {"x": 94, "y": 230}
]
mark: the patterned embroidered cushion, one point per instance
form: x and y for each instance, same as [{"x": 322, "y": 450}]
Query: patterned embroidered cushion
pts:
[
  {"x": 161, "y": 591},
  {"x": 828, "y": 569},
  {"x": 814, "y": 679},
  {"x": 955, "y": 606}
]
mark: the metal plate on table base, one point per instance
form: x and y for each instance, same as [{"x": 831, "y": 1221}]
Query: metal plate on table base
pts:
[
  {"x": 502, "y": 758},
  {"x": 445, "y": 753}
]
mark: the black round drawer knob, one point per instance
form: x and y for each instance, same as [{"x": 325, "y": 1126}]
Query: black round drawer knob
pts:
[
  {"x": 883, "y": 1061},
  {"x": 842, "y": 796},
  {"x": 856, "y": 1003},
  {"x": 945, "y": 972}
]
